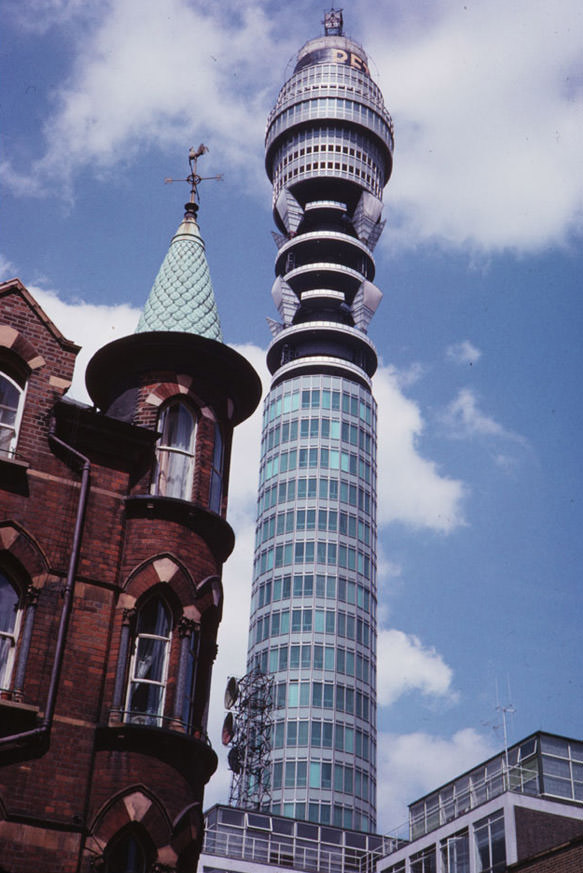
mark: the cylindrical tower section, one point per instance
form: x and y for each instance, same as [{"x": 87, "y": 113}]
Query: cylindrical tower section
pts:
[
  {"x": 313, "y": 622},
  {"x": 329, "y": 146}
]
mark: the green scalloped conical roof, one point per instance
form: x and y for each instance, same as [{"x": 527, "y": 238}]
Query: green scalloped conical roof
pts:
[{"x": 182, "y": 296}]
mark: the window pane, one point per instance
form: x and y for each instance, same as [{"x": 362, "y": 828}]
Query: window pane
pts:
[
  {"x": 175, "y": 452},
  {"x": 127, "y": 855},
  {"x": 147, "y": 700},
  {"x": 8, "y": 605},
  {"x": 9, "y": 399},
  {"x": 149, "y": 662}
]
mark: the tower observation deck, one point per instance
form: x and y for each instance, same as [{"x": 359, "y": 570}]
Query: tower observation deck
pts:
[{"x": 329, "y": 145}]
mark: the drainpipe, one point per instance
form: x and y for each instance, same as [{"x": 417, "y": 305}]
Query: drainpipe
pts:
[{"x": 43, "y": 732}]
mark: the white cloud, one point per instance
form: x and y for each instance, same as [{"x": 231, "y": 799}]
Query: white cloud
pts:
[
  {"x": 464, "y": 419},
  {"x": 405, "y": 664},
  {"x": 160, "y": 74},
  {"x": 410, "y": 765},
  {"x": 7, "y": 269},
  {"x": 244, "y": 475},
  {"x": 410, "y": 488},
  {"x": 464, "y": 352},
  {"x": 89, "y": 325},
  {"x": 232, "y": 643},
  {"x": 486, "y": 99},
  {"x": 411, "y": 491}
]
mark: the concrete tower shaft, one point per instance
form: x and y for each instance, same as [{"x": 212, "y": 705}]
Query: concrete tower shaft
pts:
[{"x": 329, "y": 147}]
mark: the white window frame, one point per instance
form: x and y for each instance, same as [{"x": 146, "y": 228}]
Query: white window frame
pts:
[
  {"x": 15, "y": 428},
  {"x": 149, "y": 718},
  {"x": 450, "y": 848},
  {"x": 165, "y": 452},
  {"x": 7, "y": 666}
]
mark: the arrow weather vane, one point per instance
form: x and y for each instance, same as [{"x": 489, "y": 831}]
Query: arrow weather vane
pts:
[{"x": 193, "y": 178}]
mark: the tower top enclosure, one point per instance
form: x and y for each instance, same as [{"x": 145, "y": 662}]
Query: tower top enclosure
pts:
[{"x": 328, "y": 154}]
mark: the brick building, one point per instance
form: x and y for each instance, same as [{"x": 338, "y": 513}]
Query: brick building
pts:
[{"x": 112, "y": 540}]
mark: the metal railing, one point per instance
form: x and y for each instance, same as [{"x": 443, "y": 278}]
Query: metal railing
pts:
[{"x": 294, "y": 852}]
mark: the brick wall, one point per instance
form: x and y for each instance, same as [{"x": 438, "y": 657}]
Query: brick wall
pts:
[
  {"x": 565, "y": 858},
  {"x": 537, "y": 831},
  {"x": 58, "y": 808}
]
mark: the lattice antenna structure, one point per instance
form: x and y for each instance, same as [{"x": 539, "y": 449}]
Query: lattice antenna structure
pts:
[{"x": 247, "y": 729}]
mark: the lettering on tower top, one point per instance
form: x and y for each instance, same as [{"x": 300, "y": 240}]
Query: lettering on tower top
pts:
[{"x": 333, "y": 55}]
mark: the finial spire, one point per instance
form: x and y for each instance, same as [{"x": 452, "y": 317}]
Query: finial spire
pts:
[{"x": 182, "y": 296}]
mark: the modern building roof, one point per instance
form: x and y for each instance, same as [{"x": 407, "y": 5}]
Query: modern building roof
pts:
[{"x": 182, "y": 296}]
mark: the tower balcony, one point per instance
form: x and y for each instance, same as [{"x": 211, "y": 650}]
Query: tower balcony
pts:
[
  {"x": 325, "y": 245},
  {"x": 325, "y": 275},
  {"x": 328, "y": 345}
]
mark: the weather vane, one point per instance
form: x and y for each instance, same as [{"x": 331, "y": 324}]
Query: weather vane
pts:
[{"x": 193, "y": 178}]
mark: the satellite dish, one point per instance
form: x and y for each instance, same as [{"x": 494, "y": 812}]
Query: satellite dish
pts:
[
  {"x": 234, "y": 760},
  {"x": 228, "y": 729},
  {"x": 231, "y": 692}
]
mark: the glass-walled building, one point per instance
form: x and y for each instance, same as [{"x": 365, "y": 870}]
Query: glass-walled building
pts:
[
  {"x": 329, "y": 148},
  {"x": 523, "y": 803}
]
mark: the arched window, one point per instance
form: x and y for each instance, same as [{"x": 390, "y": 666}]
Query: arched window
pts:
[
  {"x": 175, "y": 451},
  {"x": 126, "y": 854},
  {"x": 216, "y": 491},
  {"x": 149, "y": 664},
  {"x": 10, "y": 411},
  {"x": 10, "y": 612}
]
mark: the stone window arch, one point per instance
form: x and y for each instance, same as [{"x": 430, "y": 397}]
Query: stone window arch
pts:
[{"x": 174, "y": 470}]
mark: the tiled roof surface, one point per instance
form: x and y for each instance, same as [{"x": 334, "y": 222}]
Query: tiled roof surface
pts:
[{"x": 182, "y": 296}]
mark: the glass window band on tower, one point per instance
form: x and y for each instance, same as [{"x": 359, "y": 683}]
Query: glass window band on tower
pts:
[
  {"x": 314, "y": 596},
  {"x": 329, "y": 145}
]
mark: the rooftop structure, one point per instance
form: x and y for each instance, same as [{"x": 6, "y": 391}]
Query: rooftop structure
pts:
[
  {"x": 520, "y": 802},
  {"x": 523, "y": 803},
  {"x": 254, "y": 842},
  {"x": 182, "y": 296}
]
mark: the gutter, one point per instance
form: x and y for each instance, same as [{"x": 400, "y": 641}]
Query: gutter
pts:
[{"x": 43, "y": 732}]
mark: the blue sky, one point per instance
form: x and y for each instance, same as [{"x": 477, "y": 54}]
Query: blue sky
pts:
[{"x": 479, "y": 332}]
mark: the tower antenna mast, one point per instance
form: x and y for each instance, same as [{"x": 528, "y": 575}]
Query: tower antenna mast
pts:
[
  {"x": 333, "y": 22},
  {"x": 505, "y": 709}
]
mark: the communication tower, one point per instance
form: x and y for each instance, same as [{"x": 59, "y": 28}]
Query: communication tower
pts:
[{"x": 247, "y": 730}]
